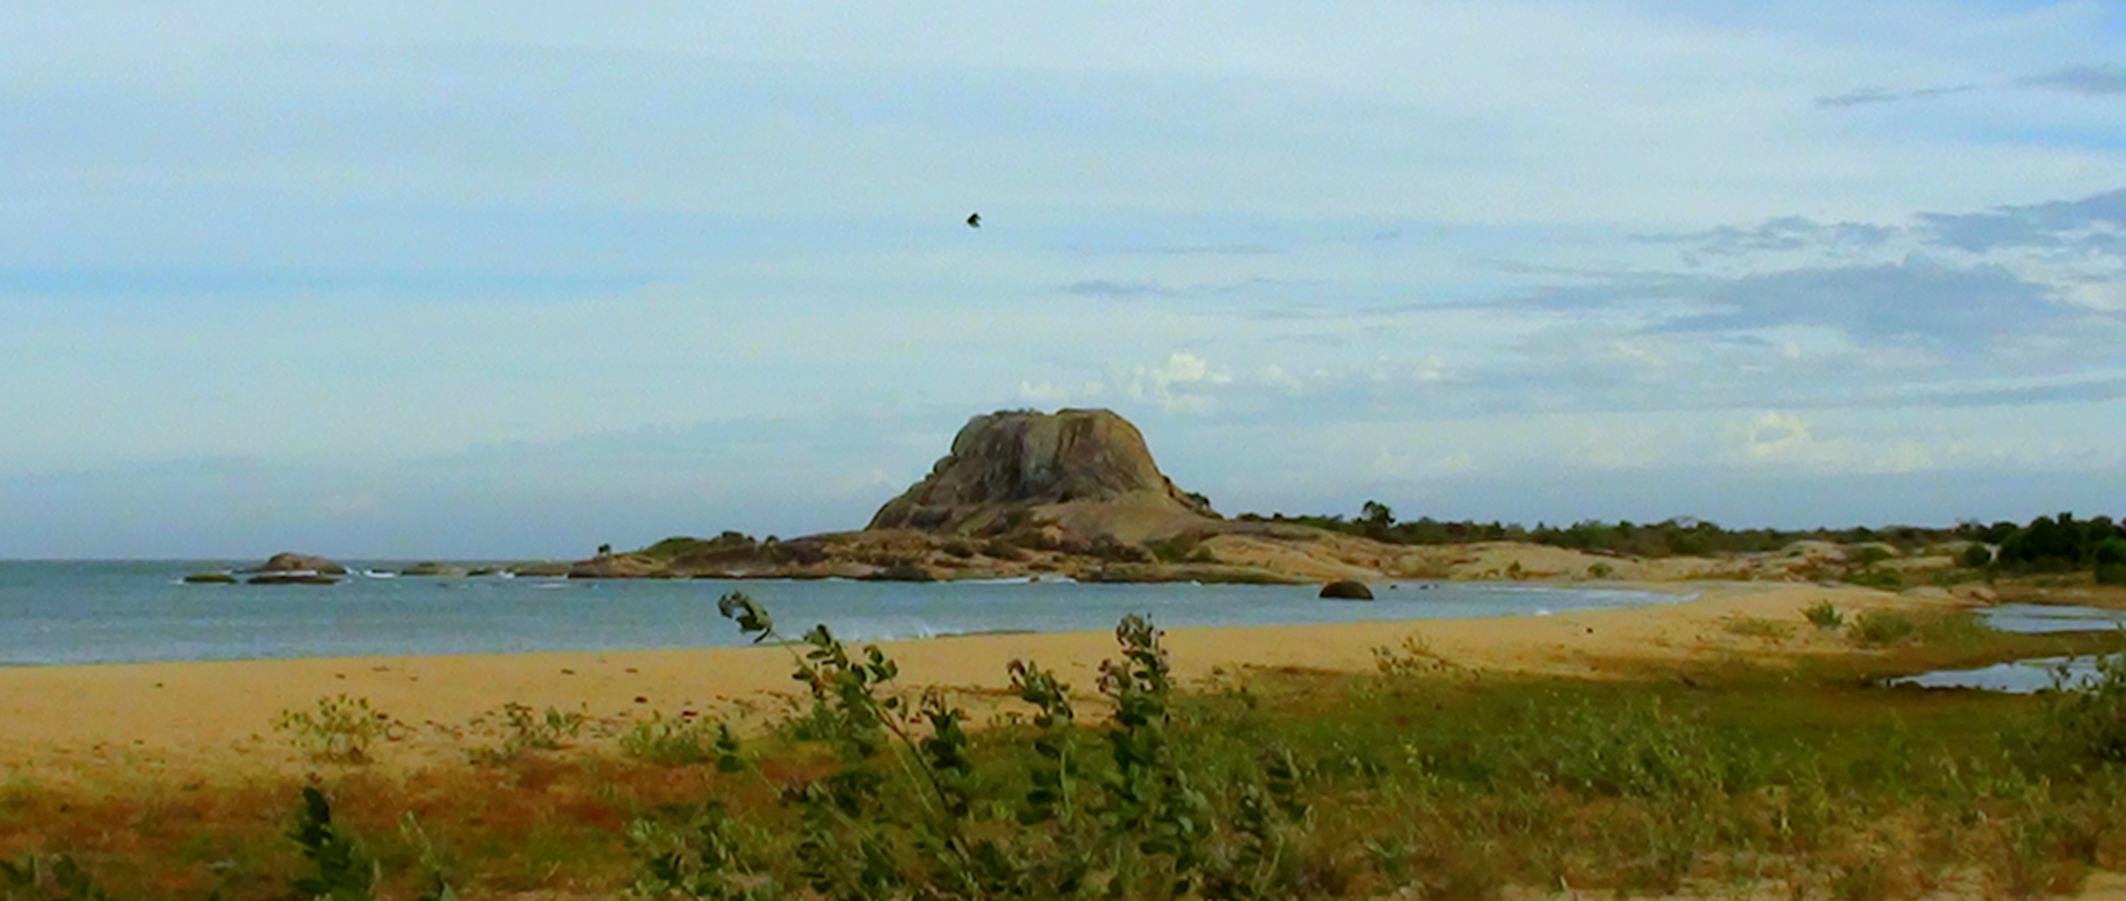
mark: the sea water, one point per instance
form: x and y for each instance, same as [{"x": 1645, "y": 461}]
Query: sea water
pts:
[{"x": 75, "y": 612}]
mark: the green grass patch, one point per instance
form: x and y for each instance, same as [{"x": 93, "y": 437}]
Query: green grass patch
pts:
[
  {"x": 1881, "y": 627},
  {"x": 1757, "y": 627}
]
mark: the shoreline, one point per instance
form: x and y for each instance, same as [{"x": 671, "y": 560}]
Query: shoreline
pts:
[
  {"x": 213, "y": 719},
  {"x": 210, "y": 716}
]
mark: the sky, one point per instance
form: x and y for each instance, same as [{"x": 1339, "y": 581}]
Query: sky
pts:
[{"x": 415, "y": 280}]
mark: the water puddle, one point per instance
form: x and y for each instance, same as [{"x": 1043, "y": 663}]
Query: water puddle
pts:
[
  {"x": 2014, "y": 677},
  {"x": 2037, "y": 674},
  {"x": 2034, "y": 619}
]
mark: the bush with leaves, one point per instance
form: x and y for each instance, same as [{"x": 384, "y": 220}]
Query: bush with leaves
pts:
[
  {"x": 339, "y": 729},
  {"x": 526, "y": 730}
]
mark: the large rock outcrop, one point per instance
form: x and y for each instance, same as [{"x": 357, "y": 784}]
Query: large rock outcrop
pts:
[
  {"x": 1085, "y": 474},
  {"x": 291, "y": 562}
]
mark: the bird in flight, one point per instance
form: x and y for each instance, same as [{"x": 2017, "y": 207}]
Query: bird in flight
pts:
[{"x": 974, "y": 220}]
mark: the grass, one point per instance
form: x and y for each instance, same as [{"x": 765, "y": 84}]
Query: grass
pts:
[
  {"x": 1421, "y": 778},
  {"x": 1881, "y": 627},
  {"x": 1758, "y": 627}
]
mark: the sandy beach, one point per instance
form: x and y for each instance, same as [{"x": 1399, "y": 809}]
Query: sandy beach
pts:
[{"x": 204, "y": 718}]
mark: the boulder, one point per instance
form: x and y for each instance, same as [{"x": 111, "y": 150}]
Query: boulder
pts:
[
  {"x": 618, "y": 566},
  {"x": 1347, "y": 590},
  {"x": 1086, "y": 472},
  {"x": 429, "y": 568},
  {"x": 286, "y": 562},
  {"x": 903, "y": 571},
  {"x": 539, "y": 570},
  {"x": 292, "y": 578}
]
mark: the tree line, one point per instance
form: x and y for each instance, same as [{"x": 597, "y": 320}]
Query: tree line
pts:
[{"x": 2058, "y": 543}]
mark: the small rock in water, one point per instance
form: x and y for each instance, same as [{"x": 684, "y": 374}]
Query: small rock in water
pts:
[{"x": 1347, "y": 590}]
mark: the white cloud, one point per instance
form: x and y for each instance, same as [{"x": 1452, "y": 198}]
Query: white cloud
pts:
[
  {"x": 1179, "y": 385},
  {"x": 1774, "y": 438}
]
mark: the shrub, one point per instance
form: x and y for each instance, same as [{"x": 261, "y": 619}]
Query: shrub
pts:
[
  {"x": 341, "y": 729},
  {"x": 2111, "y": 574},
  {"x": 1976, "y": 556},
  {"x": 1868, "y": 555},
  {"x": 683, "y": 742},
  {"x": 1885, "y": 579},
  {"x": 530, "y": 732},
  {"x": 1758, "y": 627},
  {"x": 1824, "y": 615},
  {"x": 341, "y": 868},
  {"x": 1878, "y": 627},
  {"x": 2088, "y": 721}
]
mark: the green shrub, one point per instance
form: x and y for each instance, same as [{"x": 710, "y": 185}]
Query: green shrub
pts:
[
  {"x": 1879, "y": 627},
  {"x": 683, "y": 741},
  {"x": 341, "y": 869},
  {"x": 1885, "y": 579},
  {"x": 340, "y": 730},
  {"x": 2111, "y": 574},
  {"x": 1868, "y": 555},
  {"x": 1976, "y": 556},
  {"x": 1824, "y": 615},
  {"x": 2088, "y": 721},
  {"x": 527, "y": 731},
  {"x": 1758, "y": 627}
]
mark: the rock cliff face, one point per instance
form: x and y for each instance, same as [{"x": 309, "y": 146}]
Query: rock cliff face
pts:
[{"x": 1086, "y": 473}]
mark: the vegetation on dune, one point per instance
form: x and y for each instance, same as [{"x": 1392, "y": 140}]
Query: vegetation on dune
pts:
[
  {"x": 1419, "y": 779},
  {"x": 2047, "y": 544}
]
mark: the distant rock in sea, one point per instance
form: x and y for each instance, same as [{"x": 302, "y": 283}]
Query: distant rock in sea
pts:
[
  {"x": 616, "y": 566},
  {"x": 429, "y": 568},
  {"x": 539, "y": 570},
  {"x": 288, "y": 562},
  {"x": 292, "y": 578},
  {"x": 1347, "y": 590},
  {"x": 210, "y": 579}
]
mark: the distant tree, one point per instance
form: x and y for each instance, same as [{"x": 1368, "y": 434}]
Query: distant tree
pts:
[
  {"x": 605, "y": 550},
  {"x": 1377, "y": 514}
]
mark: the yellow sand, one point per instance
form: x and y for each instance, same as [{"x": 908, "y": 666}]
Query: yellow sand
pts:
[{"x": 179, "y": 718}]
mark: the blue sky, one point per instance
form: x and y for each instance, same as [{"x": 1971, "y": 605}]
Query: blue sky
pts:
[{"x": 395, "y": 280}]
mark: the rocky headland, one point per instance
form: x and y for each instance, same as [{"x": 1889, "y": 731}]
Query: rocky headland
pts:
[{"x": 1076, "y": 494}]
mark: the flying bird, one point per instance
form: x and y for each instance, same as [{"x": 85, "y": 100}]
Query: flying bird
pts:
[{"x": 974, "y": 220}]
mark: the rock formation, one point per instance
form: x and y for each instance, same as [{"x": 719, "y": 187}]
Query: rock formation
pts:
[
  {"x": 1347, "y": 590},
  {"x": 286, "y": 562},
  {"x": 1084, "y": 473}
]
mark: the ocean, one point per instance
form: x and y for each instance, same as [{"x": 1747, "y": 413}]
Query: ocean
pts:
[{"x": 85, "y": 612}]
